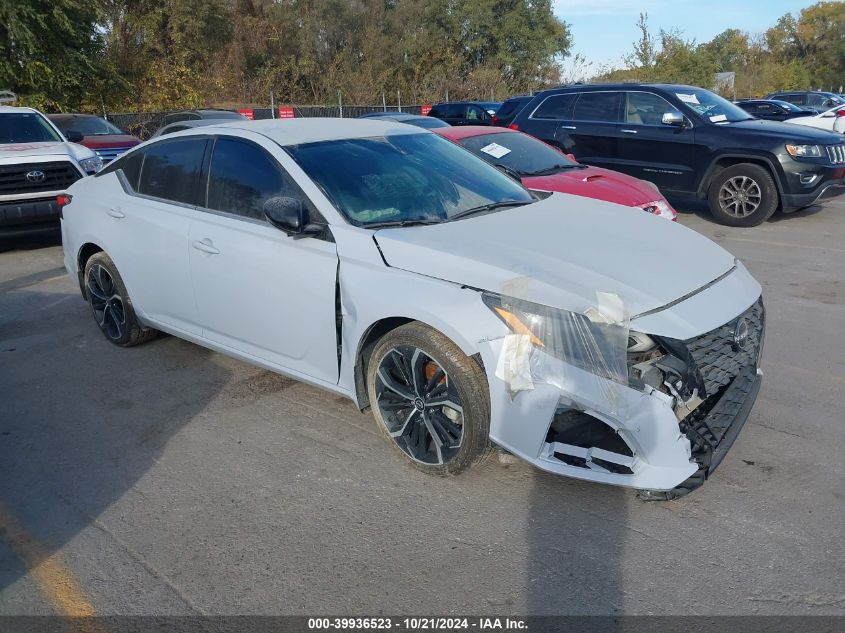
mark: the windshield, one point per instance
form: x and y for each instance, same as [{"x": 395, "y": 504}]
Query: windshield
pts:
[
  {"x": 789, "y": 106},
  {"x": 87, "y": 125},
  {"x": 711, "y": 106},
  {"x": 522, "y": 153},
  {"x": 26, "y": 127},
  {"x": 425, "y": 122},
  {"x": 404, "y": 178}
]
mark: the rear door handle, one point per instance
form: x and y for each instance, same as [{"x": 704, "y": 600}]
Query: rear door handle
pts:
[
  {"x": 568, "y": 127},
  {"x": 629, "y": 131},
  {"x": 115, "y": 212},
  {"x": 205, "y": 246}
]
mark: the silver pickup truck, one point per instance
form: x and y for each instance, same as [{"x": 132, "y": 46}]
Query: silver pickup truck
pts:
[{"x": 37, "y": 163}]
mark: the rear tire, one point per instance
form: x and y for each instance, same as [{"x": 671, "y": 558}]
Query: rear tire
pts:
[
  {"x": 743, "y": 195},
  {"x": 110, "y": 303},
  {"x": 430, "y": 400}
]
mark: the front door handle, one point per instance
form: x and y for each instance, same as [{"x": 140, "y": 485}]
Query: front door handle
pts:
[
  {"x": 205, "y": 246},
  {"x": 629, "y": 131},
  {"x": 568, "y": 127},
  {"x": 115, "y": 212}
]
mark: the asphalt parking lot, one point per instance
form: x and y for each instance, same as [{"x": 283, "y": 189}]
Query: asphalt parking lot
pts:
[{"x": 168, "y": 479}]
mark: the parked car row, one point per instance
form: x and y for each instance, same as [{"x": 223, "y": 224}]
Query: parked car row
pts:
[
  {"x": 388, "y": 264},
  {"x": 693, "y": 144}
]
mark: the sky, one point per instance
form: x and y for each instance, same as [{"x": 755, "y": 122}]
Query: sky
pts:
[{"x": 603, "y": 30}]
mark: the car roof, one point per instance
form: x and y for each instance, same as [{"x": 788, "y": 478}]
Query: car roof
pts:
[
  {"x": 391, "y": 115},
  {"x": 463, "y": 102},
  {"x": 12, "y": 109},
  {"x": 314, "y": 130},
  {"x": 198, "y": 122},
  {"x": 459, "y": 132},
  {"x": 189, "y": 123}
]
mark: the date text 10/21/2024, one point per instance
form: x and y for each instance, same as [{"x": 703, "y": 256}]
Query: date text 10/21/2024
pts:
[{"x": 418, "y": 623}]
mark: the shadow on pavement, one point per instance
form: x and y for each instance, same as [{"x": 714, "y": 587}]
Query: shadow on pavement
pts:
[
  {"x": 83, "y": 421},
  {"x": 575, "y": 568}
]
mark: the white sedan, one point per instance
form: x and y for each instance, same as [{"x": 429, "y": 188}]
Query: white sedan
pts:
[
  {"x": 833, "y": 120},
  {"x": 382, "y": 262}
]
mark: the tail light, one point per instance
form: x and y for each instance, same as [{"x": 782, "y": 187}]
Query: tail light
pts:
[
  {"x": 495, "y": 119},
  {"x": 841, "y": 112},
  {"x": 513, "y": 126},
  {"x": 62, "y": 200}
]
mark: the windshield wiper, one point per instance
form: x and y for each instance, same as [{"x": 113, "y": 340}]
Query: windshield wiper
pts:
[
  {"x": 394, "y": 223},
  {"x": 490, "y": 207},
  {"x": 556, "y": 168}
]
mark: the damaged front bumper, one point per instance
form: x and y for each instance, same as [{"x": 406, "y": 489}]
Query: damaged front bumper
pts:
[{"x": 665, "y": 438}]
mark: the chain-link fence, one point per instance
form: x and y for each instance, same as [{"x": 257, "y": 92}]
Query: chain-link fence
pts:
[{"x": 144, "y": 124}]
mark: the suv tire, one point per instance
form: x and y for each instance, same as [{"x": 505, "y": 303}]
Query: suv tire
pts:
[
  {"x": 742, "y": 195},
  {"x": 427, "y": 373},
  {"x": 111, "y": 305}
]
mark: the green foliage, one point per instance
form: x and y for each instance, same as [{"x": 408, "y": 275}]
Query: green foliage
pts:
[
  {"x": 795, "y": 54},
  {"x": 164, "y": 54},
  {"x": 52, "y": 53}
]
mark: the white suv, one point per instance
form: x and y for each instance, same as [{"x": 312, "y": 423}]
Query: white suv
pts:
[{"x": 37, "y": 163}]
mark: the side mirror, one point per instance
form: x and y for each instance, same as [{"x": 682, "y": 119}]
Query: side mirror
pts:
[
  {"x": 286, "y": 214},
  {"x": 74, "y": 136},
  {"x": 674, "y": 118}
]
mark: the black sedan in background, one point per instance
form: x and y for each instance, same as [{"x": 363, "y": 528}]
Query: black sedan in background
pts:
[
  {"x": 426, "y": 122},
  {"x": 773, "y": 109}
]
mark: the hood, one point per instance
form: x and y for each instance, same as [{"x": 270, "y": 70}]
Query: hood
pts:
[
  {"x": 560, "y": 251},
  {"x": 594, "y": 182},
  {"x": 101, "y": 141},
  {"x": 17, "y": 151},
  {"x": 786, "y": 131}
]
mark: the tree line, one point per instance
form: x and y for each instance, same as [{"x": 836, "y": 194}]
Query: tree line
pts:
[
  {"x": 148, "y": 55},
  {"x": 797, "y": 53}
]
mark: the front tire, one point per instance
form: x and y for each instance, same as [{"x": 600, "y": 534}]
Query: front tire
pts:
[
  {"x": 110, "y": 303},
  {"x": 430, "y": 400},
  {"x": 742, "y": 195}
]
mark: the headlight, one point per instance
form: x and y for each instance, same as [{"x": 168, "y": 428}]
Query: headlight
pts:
[
  {"x": 600, "y": 348},
  {"x": 91, "y": 165},
  {"x": 660, "y": 208},
  {"x": 804, "y": 151}
]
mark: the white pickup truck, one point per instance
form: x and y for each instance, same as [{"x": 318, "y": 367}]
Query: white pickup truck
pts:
[{"x": 37, "y": 163}]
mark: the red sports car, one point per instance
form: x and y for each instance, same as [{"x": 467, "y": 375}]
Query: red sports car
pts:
[{"x": 541, "y": 166}]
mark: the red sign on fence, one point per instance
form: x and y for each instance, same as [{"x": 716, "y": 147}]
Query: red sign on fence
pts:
[
  {"x": 286, "y": 112},
  {"x": 247, "y": 112},
  {"x": 425, "y": 109}
]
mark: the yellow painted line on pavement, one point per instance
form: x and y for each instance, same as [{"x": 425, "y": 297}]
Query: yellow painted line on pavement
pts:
[{"x": 49, "y": 570}]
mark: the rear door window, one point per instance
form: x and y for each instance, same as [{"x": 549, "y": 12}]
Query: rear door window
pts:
[
  {"x": 456, "y": 111},
  {"x": 598, "y": 106},
  {"x": 556, "y": 107},
  {"x": 171, "y": 170},
  {"x": 438, "y": 111},
  {"x": 796, "y": 99},
  {"x": 129, "y": 164}
]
